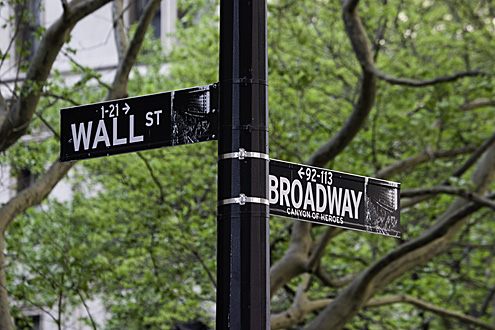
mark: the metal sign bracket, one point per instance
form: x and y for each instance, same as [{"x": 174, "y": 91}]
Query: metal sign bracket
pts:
[
  {"x": 243, "y": 199},
  {"x": 242, "y": 154}
]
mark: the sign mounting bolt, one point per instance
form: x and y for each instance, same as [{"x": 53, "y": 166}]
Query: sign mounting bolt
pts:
[
  {"x": 242, "y": 199},
  {"x": 242, "y": 153}
]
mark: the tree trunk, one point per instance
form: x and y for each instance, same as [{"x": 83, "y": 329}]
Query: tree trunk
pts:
[{"x": 5, "y": 319}]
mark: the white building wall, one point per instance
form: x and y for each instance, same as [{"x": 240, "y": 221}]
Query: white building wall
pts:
[
  {"x": 74, "y": 322},
  {"x": 92, "y": 38},
  {"x": 7, "y": 184}
]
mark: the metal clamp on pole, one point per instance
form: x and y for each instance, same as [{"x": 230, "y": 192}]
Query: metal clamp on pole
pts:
[
  {"x": 242, "y": 153},
  {"x": 243, "y": 199}
]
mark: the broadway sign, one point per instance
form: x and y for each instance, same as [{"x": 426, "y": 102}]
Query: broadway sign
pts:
[
  {"x": 334, "y": 198},
  {"x": 139, "y": 123}
]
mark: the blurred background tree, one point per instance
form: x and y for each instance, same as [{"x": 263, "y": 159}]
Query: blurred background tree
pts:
[{"x": 397, "y": 89}]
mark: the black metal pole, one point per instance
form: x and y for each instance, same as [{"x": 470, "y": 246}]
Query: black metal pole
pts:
[{"x": 243, "y": 207}]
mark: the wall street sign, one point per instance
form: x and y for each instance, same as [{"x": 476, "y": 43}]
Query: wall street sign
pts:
[
  {"x": 334, "y": 198},
  {"x": 139, "y": 123}
]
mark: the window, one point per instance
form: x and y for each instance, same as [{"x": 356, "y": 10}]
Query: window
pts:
[
  {"x": 32, "y": 322},
  {"x": 163, "y": 23},
  {"x": 24, "y": 179},
  {"x": 136, "y": 8},
  {"x": 28, "y": 20}
]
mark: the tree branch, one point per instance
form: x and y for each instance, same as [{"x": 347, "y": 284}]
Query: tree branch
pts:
[
  {"x": 474, "y": 156},
  {"x": 428, "y": 82},
  {"x": 405, "y": 164},
  {"x": 409, "y": 202},
  {"x": 478, "y": 104},
  {"x": 85, "y": 69},
  {"x": 420, "y": 195},
  {"x": 356, "y": 120},
  {"x": 320, "y": 247},
  {"x": 407, "y": 255},
  {"x": 350, "y": 7},
  {"x": 302, "y": 306},
  {"x": 37, "y": 192},
  {"x": 153, "y": 177},
  {"x": 198, "y": 257},
  {"x": 335, "y": 283},
  {"x": 489, "y": 297},
  {"x": 3, "y": 108},
  {"x": 16, "y": 122},
  {"x": 21, "y": 113},
  {"x": 32, "y": 195},
  {"x": 295, "y": 260},
  {"x": 86, "y": 307},
  {"x": 47, "y": 125},
  {"x": 299, "y": 309},
  {"x": 5, "y": 318},
  {"x": 444, "y": 189},
  {"x": 429, "y": 307},
  {"x": 122, "y": 77},
  {"x": 118, "y": 26}
]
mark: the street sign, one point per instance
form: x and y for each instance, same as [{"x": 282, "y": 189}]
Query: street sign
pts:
[
  {"x": 334, "y": 198},
  {"x": 139, "y": 123}
]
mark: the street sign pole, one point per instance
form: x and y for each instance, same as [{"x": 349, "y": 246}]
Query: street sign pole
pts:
[{"x": 243, "y": 206}]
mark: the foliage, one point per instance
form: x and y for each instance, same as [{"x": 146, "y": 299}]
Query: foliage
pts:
[
  {"x": 312, "y": 81},
  {"x": 139, "y": 229}
]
